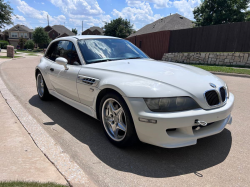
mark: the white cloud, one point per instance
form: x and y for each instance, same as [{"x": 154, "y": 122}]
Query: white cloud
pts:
[
  {"x": 157, "y": 3},
  {"x": 139, "y": 13},
  {"x": 186, "y": 7},
  {"x": 78, "y": 8},
  {"x": 87, "y": 11},
  {"x": 89, "y": 21},
  {"x": 18, "y": 17},
  {"x": 31, "y": 12}
]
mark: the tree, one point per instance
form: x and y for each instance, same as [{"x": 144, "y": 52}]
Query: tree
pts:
[
  {"x": 213, "y": 12},
  {"x": 40, "y": 37},
  {"x": 21, "y": 42},
  {"x": 29, "y": 44},
  {"x": 248, "y": 15},
  {"x": 74, "y": 31},
  {"x": 5, "y": 14},
  {"x": 119, "y": 27}
]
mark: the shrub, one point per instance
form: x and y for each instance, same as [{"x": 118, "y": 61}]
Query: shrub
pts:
[
  {"x": 29, "y": 44},
  {"x": 3, "y": 43},
  {"x": 37, "y": 50}
]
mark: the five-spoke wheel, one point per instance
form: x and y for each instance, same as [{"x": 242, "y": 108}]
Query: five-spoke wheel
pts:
[
  {"x": 117, "y": 120},
  {"x": 40, "y": 85},
  {"x": 114, "y": 119},
  {"x": 42, "y": 89}
]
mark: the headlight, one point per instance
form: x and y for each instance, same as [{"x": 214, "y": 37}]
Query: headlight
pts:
[{"x": 171, "y": 104}]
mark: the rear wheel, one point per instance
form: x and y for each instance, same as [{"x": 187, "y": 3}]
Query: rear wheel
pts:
[
  {"x": 42, "y": 89},
  {"x": 117, "y": 121}
]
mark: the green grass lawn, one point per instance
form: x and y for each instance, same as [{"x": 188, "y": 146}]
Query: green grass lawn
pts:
[
  {"x": 29, "y": 184},
  {"x": 32, "y": 54},
  {"x": 9, "y": 57},
  {"x": 224, "y": 69},
  {"x": 24, "y": 51}
]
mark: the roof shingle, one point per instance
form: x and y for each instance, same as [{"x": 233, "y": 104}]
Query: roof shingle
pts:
[
  {"x": 96, "y": 28},
  {"x": 172, "y": 22},
  {"x": 62, "y": 29},
  {"x": 20, "y": 28}
]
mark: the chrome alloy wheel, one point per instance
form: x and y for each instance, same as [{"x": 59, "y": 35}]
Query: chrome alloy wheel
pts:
[
  {"x": 114, "y": 119},
  {"x": 40, "y": 85}
]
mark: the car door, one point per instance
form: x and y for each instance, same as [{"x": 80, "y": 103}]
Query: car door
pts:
[{"x": 62, "y": 80}]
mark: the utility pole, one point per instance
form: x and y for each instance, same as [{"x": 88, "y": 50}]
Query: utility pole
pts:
[{"x": 48, "y": 19}]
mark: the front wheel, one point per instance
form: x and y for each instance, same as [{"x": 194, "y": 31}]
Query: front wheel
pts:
[
  {"x": 42, "y": 89},
  {"x": 117, "y": 121}
]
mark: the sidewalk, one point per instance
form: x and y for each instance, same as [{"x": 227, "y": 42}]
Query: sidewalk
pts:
[{"x": 20, "y": 158}]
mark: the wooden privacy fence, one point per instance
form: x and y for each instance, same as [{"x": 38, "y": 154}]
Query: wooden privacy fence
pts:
[
  {"x": 234, "y": 37},
  {"x": 153, "y": 44}
]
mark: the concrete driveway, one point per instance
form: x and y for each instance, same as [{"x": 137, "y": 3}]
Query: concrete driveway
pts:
[{"x": 220, "y": 160}]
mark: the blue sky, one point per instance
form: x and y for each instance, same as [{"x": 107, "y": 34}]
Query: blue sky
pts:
[{"x": 71, "y": 13}]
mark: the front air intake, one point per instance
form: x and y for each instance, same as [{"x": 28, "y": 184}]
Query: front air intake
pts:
[
  {"x": 223, "y": 94},
  {"x": 212, "y": 98}
]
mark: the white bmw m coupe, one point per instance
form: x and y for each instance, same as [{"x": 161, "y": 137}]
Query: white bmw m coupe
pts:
[{"x": 136, "y": 98}]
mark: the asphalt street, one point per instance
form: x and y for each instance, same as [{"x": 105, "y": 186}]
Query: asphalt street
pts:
[{"x": 219, "y": 160}]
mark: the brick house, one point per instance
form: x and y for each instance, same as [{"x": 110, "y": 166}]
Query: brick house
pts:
[
  {"x": 17, "y": 32},
  {"x": 58, "y": 31},
  {"x": 93, "y": 31}
]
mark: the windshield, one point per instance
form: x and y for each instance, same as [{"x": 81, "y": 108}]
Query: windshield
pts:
[{"x": 101, "y": 50}]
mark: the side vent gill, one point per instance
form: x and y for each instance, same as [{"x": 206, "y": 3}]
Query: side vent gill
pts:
[{"x": 87, "y": 80}]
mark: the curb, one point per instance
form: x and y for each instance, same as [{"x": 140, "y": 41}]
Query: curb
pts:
[
  {"x": 73, "y": 174},
  {"x": 230, "y": 74}
]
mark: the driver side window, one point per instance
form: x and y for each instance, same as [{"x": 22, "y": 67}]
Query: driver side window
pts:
[{"x": 65, "y": 49}]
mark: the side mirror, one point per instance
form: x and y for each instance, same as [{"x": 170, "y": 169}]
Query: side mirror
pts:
[{"x": 62, "y": 61}]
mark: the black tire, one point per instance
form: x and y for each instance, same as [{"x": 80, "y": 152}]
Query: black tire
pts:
[
  {"x": 131, "y": 137},
  {"x": 45, "y": 96}
]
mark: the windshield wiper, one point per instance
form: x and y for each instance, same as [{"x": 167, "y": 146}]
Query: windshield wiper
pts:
[
  {"x": 112, "y": 59},
  {"x": 134, "y": 57},
  {"x": 103, "y": 60}
]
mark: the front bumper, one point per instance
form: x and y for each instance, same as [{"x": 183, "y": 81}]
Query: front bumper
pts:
[{"x": 183, "y": 122}]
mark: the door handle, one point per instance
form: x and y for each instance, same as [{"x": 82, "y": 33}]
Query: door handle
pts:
[{"x": 51, "y": 69}]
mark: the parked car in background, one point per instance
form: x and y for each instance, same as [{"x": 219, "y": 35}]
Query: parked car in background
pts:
[{"x": 161, "y": 103}]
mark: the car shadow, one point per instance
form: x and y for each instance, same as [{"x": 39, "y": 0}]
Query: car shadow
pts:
[{"x": 142, "y": 159}]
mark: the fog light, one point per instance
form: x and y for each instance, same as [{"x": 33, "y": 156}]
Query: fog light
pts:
[{"x": 148, "y": 120}]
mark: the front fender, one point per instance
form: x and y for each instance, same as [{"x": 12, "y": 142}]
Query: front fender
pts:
[{"x": 42, "y": 67}]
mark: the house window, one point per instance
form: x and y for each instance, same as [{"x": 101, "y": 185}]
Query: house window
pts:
[
  {"x": 21, "y": 34},
  {"x": 14, "y": 35},
  {"x": 25, "y": 35}
]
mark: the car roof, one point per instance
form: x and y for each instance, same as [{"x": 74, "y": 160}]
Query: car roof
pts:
[{"x": 79, "y": 37}]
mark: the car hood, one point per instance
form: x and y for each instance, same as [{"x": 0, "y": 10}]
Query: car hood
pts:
[{"x": 184, "y": 77}]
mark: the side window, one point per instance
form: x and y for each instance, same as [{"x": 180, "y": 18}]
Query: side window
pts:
[
  {"x": 52, "y": 51},
  {"x": 65, "y": 49},
  {"x": 75, "y": 58}
]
